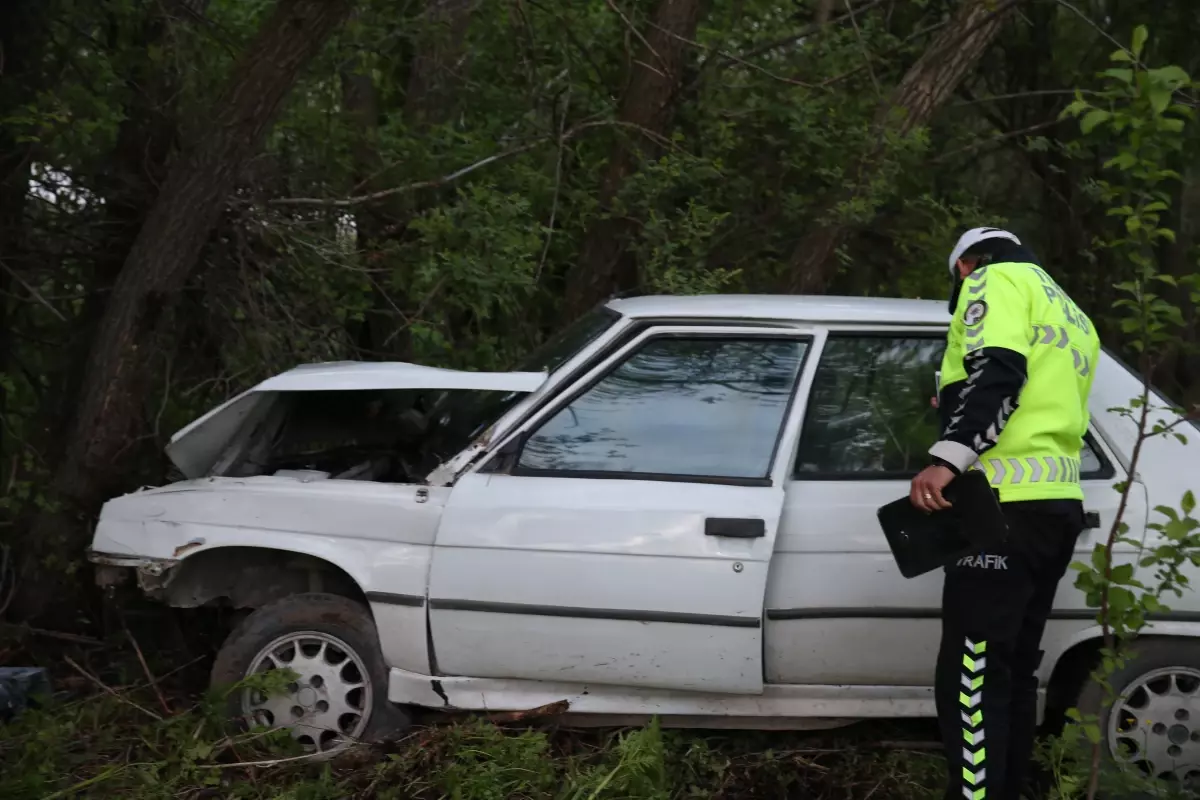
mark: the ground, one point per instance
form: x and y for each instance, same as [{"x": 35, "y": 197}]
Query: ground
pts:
[{"x": 130, "y": 719}]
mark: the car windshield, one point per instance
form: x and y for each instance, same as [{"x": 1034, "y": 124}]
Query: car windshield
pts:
[
  {"x": 562, "y": 346},
  {"x": 468, "y": 414}
]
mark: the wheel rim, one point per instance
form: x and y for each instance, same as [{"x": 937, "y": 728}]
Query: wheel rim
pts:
[
  {"x": 1155, "y": 725},
  {"x": 327, "y": 706}
]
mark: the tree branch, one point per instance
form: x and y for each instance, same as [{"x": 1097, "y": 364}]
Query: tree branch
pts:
[
  {"x": 1003, "y": 137},
  {"x": 865, "y": 50},
  {"x": 32, "y": 292},
  {"x": 808, "y": 31},
  {"x": 732, "y": 58},
  {"x": 433, "y": 183}
]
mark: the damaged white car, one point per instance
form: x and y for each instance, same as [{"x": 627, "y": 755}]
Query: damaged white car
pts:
[{"x": 671, "y": 513}]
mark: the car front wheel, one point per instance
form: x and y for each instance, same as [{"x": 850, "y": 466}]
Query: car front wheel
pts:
[{"x": 338, "y": 693}]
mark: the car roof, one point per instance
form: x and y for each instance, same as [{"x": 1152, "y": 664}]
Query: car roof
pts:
[{"x": 800, "y": 308}]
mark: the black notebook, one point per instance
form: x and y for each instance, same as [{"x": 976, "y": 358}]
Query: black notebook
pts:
[{"x": 922, "y": 542}]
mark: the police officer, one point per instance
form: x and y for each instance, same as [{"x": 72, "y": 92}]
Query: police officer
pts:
[{"x": 1013, "y": 399}]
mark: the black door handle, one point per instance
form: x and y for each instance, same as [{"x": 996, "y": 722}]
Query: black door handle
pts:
[
  {"x": 1091, "y": 520},
  {"x": 735, "y": 527}
]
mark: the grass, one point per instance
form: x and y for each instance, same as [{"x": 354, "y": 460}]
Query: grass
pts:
[
  {"x": 133, "y": 725},
  {"x": 98, "y": 747}
]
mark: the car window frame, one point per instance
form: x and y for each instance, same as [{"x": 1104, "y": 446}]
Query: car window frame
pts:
[
  {"x": 506, "y": 458},
  {"x": 615, "y": 340},
  {"x": 1093, "y": 438}
]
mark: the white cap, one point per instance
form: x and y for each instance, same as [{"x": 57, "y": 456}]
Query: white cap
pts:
[{"x": 974, "y": 237}]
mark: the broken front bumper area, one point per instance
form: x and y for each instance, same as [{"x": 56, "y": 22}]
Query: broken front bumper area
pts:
[{"x": 112, "y": 570}]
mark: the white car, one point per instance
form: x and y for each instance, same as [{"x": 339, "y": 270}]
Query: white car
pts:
[{"x": 673, "y": 513}]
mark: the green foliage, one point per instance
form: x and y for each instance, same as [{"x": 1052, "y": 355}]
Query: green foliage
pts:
[
  {"x": 1135, "y": 117},
  {"x": 491, "y": 183},
  {"x": 469, "y": 211},
  {"x": 115, "y": 745}
]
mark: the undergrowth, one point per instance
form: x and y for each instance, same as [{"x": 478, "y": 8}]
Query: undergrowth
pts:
[
  {"x": 97, "y": 748},
  {"x": 114, "y": 731}
]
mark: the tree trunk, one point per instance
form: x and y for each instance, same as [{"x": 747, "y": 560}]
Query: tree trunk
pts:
[
  {"x": 146, "y": 137},
  {"x": 432, "y": 80},
  {"x": 922, "y": 90},
  {"x": 436, "y": 66},
  {"x": 824, "y": 11},
  {"x": 24, "y": 31},
  {"x": 605, "y": 265},
  {"x": 165, "y": 251}
]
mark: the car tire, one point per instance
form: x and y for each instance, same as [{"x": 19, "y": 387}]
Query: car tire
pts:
[
  {"x": 1156, "y": 717},
  {"x": 340, "y": 694}
]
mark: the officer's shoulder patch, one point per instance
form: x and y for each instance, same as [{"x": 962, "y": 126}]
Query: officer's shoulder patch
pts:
[{"x": 975, "y": 313}]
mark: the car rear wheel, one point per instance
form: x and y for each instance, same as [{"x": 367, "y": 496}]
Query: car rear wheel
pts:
[
  {"x": 1154, "y": 724},
  {"x": 338, "y": 694}
]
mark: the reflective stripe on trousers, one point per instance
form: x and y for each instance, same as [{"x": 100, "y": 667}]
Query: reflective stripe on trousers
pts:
[{"x": 1023, "y": 471}]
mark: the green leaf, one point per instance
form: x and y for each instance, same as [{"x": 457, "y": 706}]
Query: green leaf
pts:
[
  {"x": 1121, "y": 74},
  {"x": 1160, "y": 98},
  {"x": 1122, "y": 573},
  {"x": 1171, "y": 75},
  {"x": 1075, "y": 108},
  {"x": 1167, "y": 512},
  {"x": 1140, "y": 35},
  {"x": 1092, "y": 119},
  {"x": 1188, "y": 504},
  {"x": 1175, "y": 530},
  {"x": 1123, "y": 161}
]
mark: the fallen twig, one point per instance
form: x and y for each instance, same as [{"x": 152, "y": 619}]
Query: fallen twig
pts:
[
  {"x": 270, "y": 762},
  {"x": 92, "y": 781},
  {"x": 162, "y": 701},
  {"x": 74, "y": 638},
  {"x": 548, "y": 710},
  {"x": 102, "y": 685}
]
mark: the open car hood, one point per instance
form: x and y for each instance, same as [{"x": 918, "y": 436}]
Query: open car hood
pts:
[{"x": 195, "y": 448}]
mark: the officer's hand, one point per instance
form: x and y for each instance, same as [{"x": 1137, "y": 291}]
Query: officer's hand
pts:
[{"x": 926, "y": 492}]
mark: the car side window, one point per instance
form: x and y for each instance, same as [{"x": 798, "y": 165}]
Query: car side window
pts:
[
  {"x": 703, "y": 406},
  {"x": 870, "y": 411},
  {"x": 1092, "y": 463}
]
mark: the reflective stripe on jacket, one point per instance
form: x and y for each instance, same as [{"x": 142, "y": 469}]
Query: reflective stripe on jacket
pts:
[{"x": 1031, "y": 451}]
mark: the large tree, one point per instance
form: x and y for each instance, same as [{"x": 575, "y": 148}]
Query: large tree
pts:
[
  {"x": 647, "y": 108},
  {"x": 926, "y": 85},
  {"x": 166, "y": 249},
  {"x": 146, "y": 137},
  {"x": 434, "y": 71},
  {"x": 24, "y": 34}
]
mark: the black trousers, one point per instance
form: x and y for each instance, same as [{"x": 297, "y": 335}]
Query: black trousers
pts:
[{"x": 994, "y": 610}]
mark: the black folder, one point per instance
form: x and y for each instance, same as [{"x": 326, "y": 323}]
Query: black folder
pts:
[{"x": 922, "y": 542}]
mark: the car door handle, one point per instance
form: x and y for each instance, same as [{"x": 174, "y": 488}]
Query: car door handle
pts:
[
  {"x": 735, "y": 527},
  {"x": 1091, "y": 520}
]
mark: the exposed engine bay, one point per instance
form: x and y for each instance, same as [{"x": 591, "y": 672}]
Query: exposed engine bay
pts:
[{"x": 388, "y": 436}]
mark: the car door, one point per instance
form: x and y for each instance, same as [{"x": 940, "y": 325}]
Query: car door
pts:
[
  {"x": 838, "y": 610},
  {"x": 623, "y": 535}
]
